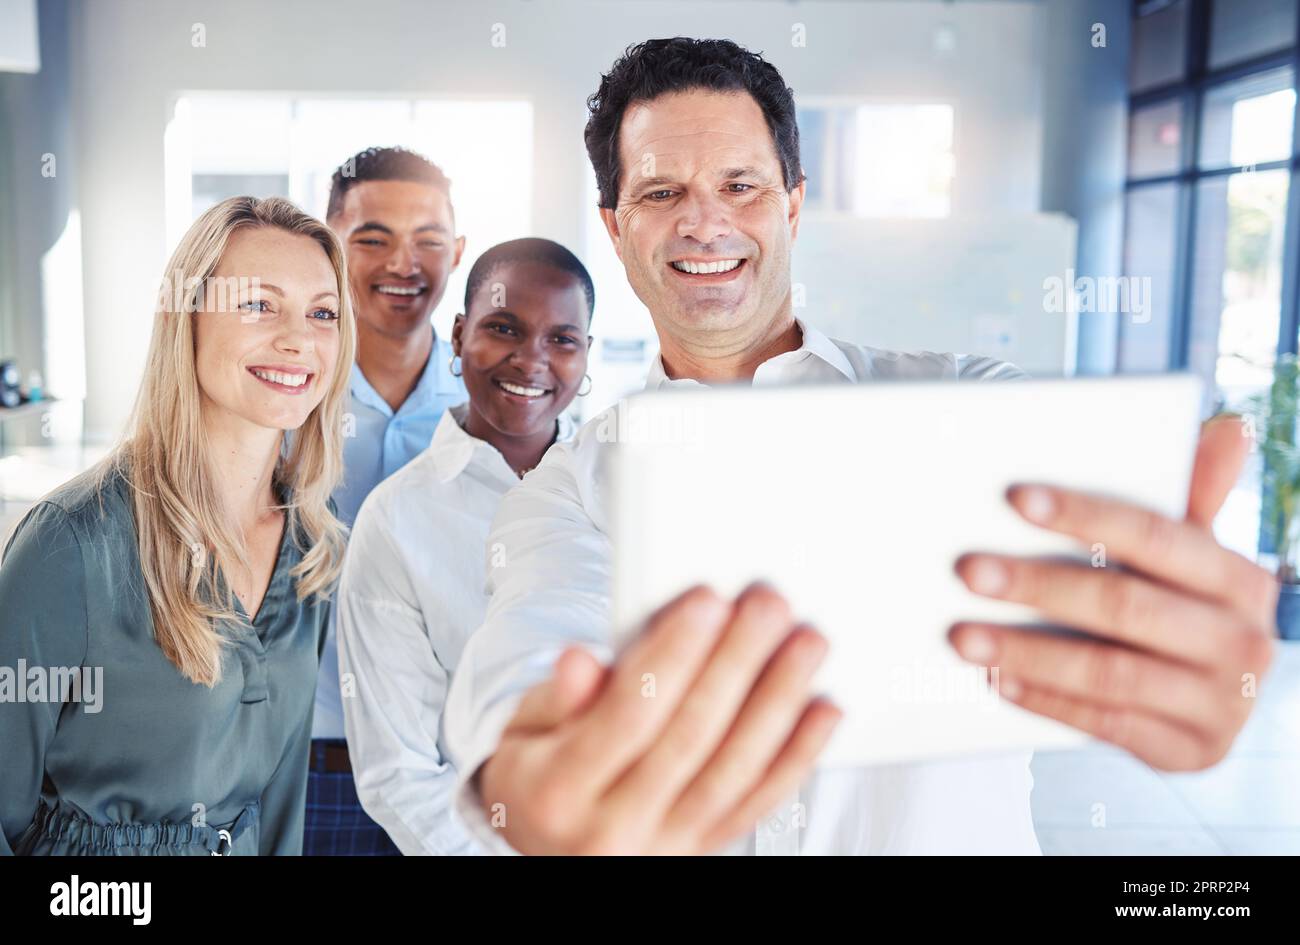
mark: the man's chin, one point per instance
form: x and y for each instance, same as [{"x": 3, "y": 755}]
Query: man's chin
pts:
[{"x": 711, "y": 314}]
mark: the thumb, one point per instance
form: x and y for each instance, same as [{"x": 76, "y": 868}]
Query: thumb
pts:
[
  {"x": 1220, "y": 455},
  {"x": 575, "y": 681}
]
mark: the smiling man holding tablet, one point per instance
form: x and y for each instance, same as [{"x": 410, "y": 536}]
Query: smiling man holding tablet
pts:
[{"x": 708, "y": 723}]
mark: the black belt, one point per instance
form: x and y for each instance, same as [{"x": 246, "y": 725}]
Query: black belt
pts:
[{"x": 329, "y": 757}]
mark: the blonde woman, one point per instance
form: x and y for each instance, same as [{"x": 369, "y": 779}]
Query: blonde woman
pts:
[{"x": 169, "y": 605}]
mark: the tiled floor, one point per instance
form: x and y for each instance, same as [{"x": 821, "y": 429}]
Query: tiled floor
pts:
[{"x": 1103, "y": 801}]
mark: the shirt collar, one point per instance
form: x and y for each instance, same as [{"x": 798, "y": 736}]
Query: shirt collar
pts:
[
  {"x": 815, "y": 344},
  {"x": 452, "y": 449},
  {"x": 436, "y": 381}
]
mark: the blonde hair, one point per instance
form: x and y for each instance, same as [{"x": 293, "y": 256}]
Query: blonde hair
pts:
[{"x": 182, "y": 528}]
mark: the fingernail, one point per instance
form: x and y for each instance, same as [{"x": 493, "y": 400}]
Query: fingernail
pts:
[
  {"x": 986, "y": 576},
  {"x": 1035, "y": 503},
  {"x": 978, "y": 646}
]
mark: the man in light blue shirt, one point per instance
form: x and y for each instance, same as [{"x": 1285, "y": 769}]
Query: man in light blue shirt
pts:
[
  {"x": 381, "y": 440},
  {"x": 392, "y": 210}
]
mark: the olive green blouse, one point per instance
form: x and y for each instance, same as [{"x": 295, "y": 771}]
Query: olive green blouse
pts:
[{"x": 105, "y": 748}]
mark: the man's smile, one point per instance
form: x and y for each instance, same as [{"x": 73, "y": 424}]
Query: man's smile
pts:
[{"x": 707, "y": 270}]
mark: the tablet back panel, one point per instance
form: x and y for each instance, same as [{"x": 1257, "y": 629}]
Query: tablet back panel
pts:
[{"x": 856, "y": 500}]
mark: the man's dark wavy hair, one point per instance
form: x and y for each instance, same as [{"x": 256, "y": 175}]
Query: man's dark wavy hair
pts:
[{"x": 660, "y": 66}]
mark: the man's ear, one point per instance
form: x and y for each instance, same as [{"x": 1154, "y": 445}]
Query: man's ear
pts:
[
  {"x": 460, "y": 250},
  {"x": 796, "y": 205},
  {"x": 611, "y": 226},
  {"x": 457, "y": 330}
]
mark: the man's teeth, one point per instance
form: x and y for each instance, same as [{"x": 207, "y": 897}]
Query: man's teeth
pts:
[
  {"x": 721, "y": 265},
  {"x": 279, "y": 377},
  {"x": 399, "y": 289},
  {"x": 521, "y": 391}
]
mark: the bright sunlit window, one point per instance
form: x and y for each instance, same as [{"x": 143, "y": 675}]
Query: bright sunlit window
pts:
[
  {"x": 878, "y": 160},
  {"x": 220, "y": 146}
]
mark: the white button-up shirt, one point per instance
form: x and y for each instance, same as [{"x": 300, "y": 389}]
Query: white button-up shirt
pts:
[
  {"x": 411, "y": 593},
  {"x": 551, "y": 535}
]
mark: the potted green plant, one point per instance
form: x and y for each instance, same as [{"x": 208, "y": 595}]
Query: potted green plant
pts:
[{"x": 1275, "y": 413}]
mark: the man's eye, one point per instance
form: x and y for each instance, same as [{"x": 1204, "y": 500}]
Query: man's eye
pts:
[
  {"x": 659, "y": 194},
  {"x": 740, "y": 188},
  {"x": 325, "y": 314},
  {"x": 431, "y": 245},
  {"x": 501, "y": 329},
  {"x": 566, "y": 339},
  {"x": 365, "y": 242}
]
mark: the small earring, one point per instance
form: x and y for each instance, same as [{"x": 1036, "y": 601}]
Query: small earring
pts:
[
  {"x": 584, "y": 393},
  {"x": 451, "y": 366}
]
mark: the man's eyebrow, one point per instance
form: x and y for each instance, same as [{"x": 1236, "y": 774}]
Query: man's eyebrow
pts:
[
  {"x": 732, "y": 173},
  {"x": 373, "y": 226},
  {"x": 639, "y": 182}
]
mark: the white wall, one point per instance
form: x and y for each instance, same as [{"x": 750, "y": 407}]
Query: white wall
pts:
[{"x": 130, "y": 57}]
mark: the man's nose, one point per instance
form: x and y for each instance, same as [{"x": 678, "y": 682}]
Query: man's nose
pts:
[
  {"x": 402, "y": 260},
  {"x": 704, "y": 218}
]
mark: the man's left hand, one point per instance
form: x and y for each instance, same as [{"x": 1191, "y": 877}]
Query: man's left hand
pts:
[{"x": 1183, "y": 633}]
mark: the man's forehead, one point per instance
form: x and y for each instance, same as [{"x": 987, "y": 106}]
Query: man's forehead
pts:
[
  {"x": 399, "y": 198},
  {"x": 686, "y": 131}
]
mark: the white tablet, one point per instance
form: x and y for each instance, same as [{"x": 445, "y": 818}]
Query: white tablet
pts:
[{"x": 856, "y": 500}]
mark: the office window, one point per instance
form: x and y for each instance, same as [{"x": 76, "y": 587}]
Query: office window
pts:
[
  {"x": 1244, "y": 29},
  {"x": 1212, "y": 167},
  {"x": 1212, "y": 154},
  {"x": 1149, "y": 226},
  {"x": 878, "y": 160},
  {"x": 1248, "y": 121},
  {"x": 1159, "y": 47},
  {"x": 1237, "y": 280},
  {"x": 1155, "y": 138},
  {"x": 301, "y": 140}
]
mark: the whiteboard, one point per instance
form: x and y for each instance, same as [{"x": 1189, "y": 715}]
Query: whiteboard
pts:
[{"x": 974, "y": 286}]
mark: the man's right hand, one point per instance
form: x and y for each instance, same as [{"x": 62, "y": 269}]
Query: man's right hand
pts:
[{"x": 702, "y": 727}]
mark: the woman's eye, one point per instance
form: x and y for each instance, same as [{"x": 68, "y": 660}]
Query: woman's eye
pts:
[
  {"x": 256, "y": 305},
  {"x": 325, "y": 314}
]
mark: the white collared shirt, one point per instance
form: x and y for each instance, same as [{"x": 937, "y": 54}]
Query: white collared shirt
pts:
[
  {"x": 411, "y": 593},
  {"x": 554, "y": 592}
]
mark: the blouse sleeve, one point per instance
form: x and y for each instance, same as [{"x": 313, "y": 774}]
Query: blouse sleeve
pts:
[{"x": 43, "y": 626}]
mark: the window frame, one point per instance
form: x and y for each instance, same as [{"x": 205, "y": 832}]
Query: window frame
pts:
[{"x": 1190, "y": 91}]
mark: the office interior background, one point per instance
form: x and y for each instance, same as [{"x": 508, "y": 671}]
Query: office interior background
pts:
[{"x": 960, "y": 155}]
